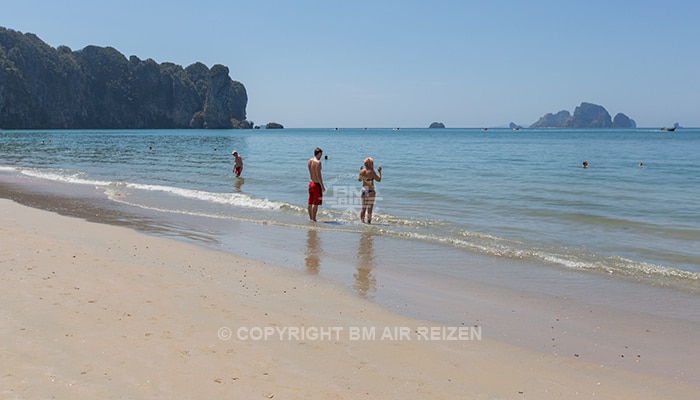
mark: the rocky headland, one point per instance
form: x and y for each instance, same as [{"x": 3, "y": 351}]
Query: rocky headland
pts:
[{"x": 42, "y": 87}]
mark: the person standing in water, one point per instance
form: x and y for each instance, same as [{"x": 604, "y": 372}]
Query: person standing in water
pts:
[
  {"x": 316, "y": 188},
  {"x": 367, "y": 177},
  {"x": 237, "y": 163}
]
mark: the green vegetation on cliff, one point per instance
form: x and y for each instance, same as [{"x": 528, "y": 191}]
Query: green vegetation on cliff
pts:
[{"x": 99, "y": 88}]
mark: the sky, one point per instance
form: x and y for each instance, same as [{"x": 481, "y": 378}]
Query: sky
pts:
[{"x": 407, "y": 63}]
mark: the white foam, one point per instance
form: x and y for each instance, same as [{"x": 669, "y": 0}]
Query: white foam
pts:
[
  {"x": 235, "y": 199},
  {"x": 62, "y": 176}
]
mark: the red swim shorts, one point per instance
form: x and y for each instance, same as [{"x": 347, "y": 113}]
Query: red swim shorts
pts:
[
  {"x": 237, "y": 171},
  {"x": 315, "y": 193}
]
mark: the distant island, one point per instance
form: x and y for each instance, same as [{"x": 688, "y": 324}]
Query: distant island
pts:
[
  {"x": 587, "y": 115},
  {"x": 273, "y": 125},
  {"x": 436, "y": 125},
  {"x": 42, "y": 87}
]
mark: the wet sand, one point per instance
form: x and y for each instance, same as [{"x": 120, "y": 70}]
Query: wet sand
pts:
[{"x": 102, "y": 311}]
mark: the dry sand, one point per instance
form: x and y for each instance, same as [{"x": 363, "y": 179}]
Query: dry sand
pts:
[{"x": 98, "y": 311}]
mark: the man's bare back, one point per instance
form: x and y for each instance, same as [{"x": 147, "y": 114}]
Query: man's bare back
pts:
[{"x": 315, "y": 171}]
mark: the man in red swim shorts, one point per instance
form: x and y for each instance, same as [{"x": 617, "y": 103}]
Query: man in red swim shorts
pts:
[
  {"x": 237, "y": 163},
  {"x": 316, "y": 188}
]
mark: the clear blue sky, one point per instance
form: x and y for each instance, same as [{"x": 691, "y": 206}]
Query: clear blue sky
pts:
[{"x": 405, "y": 63}]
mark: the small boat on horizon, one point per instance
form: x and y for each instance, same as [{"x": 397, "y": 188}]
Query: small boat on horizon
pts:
[{"x": 666, "y": 129}]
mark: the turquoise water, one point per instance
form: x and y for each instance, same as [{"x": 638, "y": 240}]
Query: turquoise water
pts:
[{"x": 516, "y": 195}]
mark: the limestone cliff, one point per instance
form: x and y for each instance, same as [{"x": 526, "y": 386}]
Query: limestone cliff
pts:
[
  {"x": 587, "y": 115},
  {"x": 550, "y": 120},
  {"x": 99, "y": 88}
]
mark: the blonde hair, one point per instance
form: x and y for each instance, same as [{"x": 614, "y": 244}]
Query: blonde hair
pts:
[{"x": 369, "y": 162}]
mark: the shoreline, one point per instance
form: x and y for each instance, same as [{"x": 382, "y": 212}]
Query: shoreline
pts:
[
  {"x": 101, "y": 310},
  {"x": 553, "y": 312}
]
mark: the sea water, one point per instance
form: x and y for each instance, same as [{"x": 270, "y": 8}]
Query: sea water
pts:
[{"x": 498, "y": 194}]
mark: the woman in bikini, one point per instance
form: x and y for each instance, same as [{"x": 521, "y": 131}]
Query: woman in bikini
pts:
[{"x": 367, "y": 177}]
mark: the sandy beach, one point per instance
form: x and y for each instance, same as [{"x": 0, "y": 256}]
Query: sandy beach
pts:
[{"x": 98, "y": 311}]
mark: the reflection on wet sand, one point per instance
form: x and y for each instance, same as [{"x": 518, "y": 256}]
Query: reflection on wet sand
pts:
[
  {"x": 365, "y": 281},
  {"x": 313, "y": 251},
  {"x": 239, "y": 183}
]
